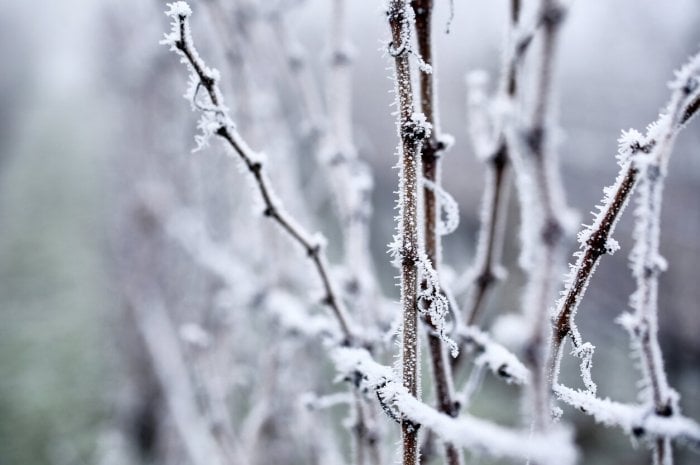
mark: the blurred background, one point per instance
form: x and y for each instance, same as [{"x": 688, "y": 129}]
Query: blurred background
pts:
[{"x": 95, "y": 137}]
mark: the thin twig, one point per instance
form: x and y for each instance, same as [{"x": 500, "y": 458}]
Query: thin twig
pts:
[
  {"x": 487, "y": 271},
  {"x": 431, "y": 152},
  {"x": 181, "y": 42},
  {"x": 351, "y": 194}
]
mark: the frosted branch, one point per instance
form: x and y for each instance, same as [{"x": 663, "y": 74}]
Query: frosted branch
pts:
[
  {"x": 435, "y": 201},
  {"x": 646, "y": 261},
  {"x": 595, "y": 240},
  {"x": 639, "y": 421},
  {"x": 216, "y": 122},
  {"x": 499, "y": 360},
  {"x": 413, "y": 130},
  {"x": 487, "y": 129}
]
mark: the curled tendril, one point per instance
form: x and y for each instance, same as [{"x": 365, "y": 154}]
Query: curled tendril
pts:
[{"x": 396, "y": 51}]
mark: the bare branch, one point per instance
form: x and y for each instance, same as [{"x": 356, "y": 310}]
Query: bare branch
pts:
[
  {"x": 493, "y": 356},
  {"x": 412, "y": 131},
  {"x": 350, "y": 177},
  {"x": 218, "y": 123}
]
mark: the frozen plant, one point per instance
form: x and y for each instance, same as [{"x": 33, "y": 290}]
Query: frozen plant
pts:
[{"x": 241, "y": 359}]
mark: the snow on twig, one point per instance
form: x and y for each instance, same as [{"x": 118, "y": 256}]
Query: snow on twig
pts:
[
  {"x": 499, "y": 360},
  {"x": 479, "y": 436},
  {"x": 636, "y": 420}
]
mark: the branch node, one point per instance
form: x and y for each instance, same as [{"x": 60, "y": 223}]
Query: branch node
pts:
[
  {"x": 416, "y": 129},
  {"x": 535, "y": 139},
  {"x": 552, "y": 232},
  {"x": 313, "y": 250},
  {"x": 553, "y": 15},
  {"x": 665, "y": 410}
]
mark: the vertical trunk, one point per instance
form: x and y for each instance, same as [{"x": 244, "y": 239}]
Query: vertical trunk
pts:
[{"x": 411, "y": 133}]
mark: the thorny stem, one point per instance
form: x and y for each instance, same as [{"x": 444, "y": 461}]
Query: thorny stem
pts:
[
  {"x": 273, "y": 207},
  {"x": 411, "y": 137},
  {"x": 430, "y": 162}
]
